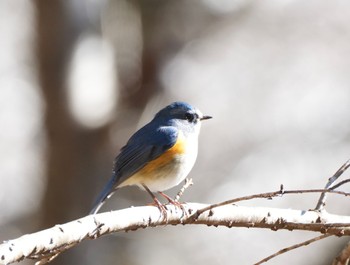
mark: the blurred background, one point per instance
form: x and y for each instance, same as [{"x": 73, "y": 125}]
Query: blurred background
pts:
[{"x": 77, "y": 78}]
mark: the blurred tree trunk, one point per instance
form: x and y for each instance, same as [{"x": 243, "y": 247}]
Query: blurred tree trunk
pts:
[
  {"x": 75, "y": 155},
  {"x": 72, "y": 152},
  {"x": 53, "y": 47}
]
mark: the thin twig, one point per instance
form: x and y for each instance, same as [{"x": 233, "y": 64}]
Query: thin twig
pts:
[
  {"x": 339, "y": 184},
  {"x": 284, "y": 250},
  {"x": 188, "y": 183},
  {"x": 322, "y": 200},
  {"x": 268, "y": 195},
  {"x": 343, "y": 257}
]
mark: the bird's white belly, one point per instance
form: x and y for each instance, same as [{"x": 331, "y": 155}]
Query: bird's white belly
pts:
[{"x": 173, "y": 173}]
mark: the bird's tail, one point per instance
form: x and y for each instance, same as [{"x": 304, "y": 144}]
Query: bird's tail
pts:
[{"x": 104, "y": 195}]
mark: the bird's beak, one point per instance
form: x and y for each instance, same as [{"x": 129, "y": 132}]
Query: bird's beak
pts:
[{"x": 205, "y": 117}]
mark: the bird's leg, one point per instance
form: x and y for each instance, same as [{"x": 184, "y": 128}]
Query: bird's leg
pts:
[
  {"x": 172, "y": 201},
  {"x": 160, "y": 206}
]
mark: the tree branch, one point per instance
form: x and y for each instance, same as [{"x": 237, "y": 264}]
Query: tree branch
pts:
[{"x": 46, "y": 244}]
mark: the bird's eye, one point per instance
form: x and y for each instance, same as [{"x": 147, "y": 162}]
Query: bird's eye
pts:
[{"x": 190, "y": 117}]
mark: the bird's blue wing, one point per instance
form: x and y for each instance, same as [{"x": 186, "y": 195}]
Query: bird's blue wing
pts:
[
  {"x": 145, "y": 145},
  {"x": 143, "y": 148}
]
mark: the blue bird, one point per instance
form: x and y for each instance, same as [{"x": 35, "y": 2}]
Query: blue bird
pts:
[{"x": 159, "y": 155}]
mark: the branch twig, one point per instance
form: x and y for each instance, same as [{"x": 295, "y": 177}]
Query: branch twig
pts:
[
  {"x": 284, "y": 250},
  {"x": 265, "y": 195},
  {"x": 188, "y": 183},
  {"x": 343, "y": 256},
  {"x": 333, "y": 187}
]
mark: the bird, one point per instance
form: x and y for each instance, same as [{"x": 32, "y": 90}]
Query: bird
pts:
[{"x": 159, "y": 155}]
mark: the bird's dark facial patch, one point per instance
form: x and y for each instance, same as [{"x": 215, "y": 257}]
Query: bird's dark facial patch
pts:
[{"x": 191, "y": 117}]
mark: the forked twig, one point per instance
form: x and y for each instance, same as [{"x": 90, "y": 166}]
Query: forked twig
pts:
[{"x": 322, "y": 200}]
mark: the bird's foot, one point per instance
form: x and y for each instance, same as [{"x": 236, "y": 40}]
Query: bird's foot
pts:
[{"x": 174, "y": 202}]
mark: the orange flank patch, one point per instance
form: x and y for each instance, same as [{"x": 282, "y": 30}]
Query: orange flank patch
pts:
[
  {"x": 159, "y": 166},
  {"x": 177, "y": 149}
]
